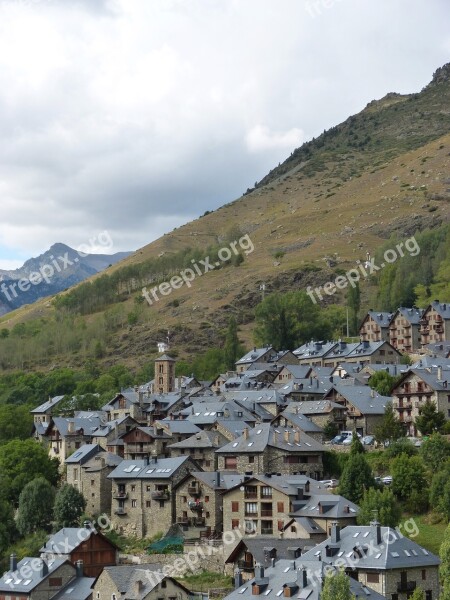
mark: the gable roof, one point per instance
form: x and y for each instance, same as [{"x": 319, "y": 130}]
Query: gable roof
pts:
[
  {"x": 28, "y": 574},
  {"x": 45, "y": 406},
  {"x": 332, "y": 506},
  {"x": 83, "y": 454},
  {"x": 365, "y": 399},
  {"x": 68, "y": 539},
  {"x": 301, "y": 422},
  {"x": 314, "y": 349},
  {"x": 260, "y": 545},
  {"x": 163, "y": 468},
  {"x": 254, "y": 355},
  {"x": 202, "y": 439},
  {"x": 79, "y": 588}
]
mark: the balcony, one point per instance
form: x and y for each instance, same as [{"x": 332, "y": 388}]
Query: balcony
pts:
[
  {"x": 194, "y": 490},
  {"x": 251, "y": 493},
  {"x": 406, "y": 586},
  {"x": 161, "y": 495},
  {"x": 120, "y": 511},
  {"x": 195, "y": 505},
  {"x": 253, "y": 514},
  {"x": 405, "y": 406},
  {"x": 245, "y": 565},
  {"x": 266, "y": 512},
  {"x": 120, "y": 495},
  {"x": 266, "y": 530}
]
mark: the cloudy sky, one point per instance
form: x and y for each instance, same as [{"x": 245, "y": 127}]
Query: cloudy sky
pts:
[{"x": 135, "y": 116}]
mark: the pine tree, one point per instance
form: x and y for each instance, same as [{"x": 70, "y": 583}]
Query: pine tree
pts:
[
  {"x": 35, "y": 506},
  {"x": 356, "y": 478},
  {"x": 69, "y": 506},
  {"x": 390, "y": 428},
  {"x": 232, "y": 346}
]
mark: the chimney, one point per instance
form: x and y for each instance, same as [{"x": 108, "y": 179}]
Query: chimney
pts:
[
  {"x": 346, "y": 508},
  {"x": 79, "y": 568},
  {"x": 138, "y": 586},
  {"x": 335, "y": 532},
  {"x": 146, "y": 461},
  {"x": 259, "y": 572},
  {"x": 286, "y": 435},
  {"x": 439, "y": 370},
  {"x": 297, "y": 436},
  {"x": 237, "y": 578},
  {"x": 275, "y": 437},
  {"x": 70, "y": 427},
  {"x": 87, "y": 524},
  {"x": 218, "y": 479},
  {"x": 377, "y": 528},
  {"x": 245, "y": 432},
  {"x": 302, "y": 578},
  {"x": 272, "y": 561},
  {"x": 141, "y": 398},
  {"x": 13, "y": 563},
  {"x": 300, "y": 493},
  {"x": 44, "y": 569}
]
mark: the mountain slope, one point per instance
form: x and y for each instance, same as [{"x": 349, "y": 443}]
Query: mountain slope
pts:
[{"x": 383, "y": 171}]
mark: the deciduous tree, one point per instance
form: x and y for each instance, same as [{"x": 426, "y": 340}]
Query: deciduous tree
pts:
[{"x": 35, "y": 506}]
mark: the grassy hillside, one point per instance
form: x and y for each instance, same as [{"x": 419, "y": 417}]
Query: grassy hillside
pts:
[{"x": 333, "y": 200}]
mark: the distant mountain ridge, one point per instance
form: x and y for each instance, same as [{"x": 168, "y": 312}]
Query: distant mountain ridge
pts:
[{"x": 55, "y": 270}]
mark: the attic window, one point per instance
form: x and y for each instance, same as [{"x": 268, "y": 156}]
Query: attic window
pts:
[
  {"x": 407, "y": 553},
  {"x": 250, "y": 444},
  {"x": 378, "y": 555},
  {"x": 395, "y": 554},
  {"x": 286, "y": 569},
  {"x": 136, "y": 469},
  {"x": 242, "y": 591},
  {"x": 235, "y": 444},
  {"x": 425, "y": 552},
  {"x": 268, "y": 592},
  {"x": 259, "y": 431},
  {"x": 149, "y": 470},
  {"x": 355, "y": 535},
  {"x": 279, "y": 593}
]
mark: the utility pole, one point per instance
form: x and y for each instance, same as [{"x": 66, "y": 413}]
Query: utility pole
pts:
[{"x": 262, "y": 287}]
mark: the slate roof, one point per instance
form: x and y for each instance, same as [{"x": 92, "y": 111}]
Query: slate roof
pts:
[
  {"x": 68, "y": 539},
  {"x": 165, "y": 357},
  {"x": 367, "y": 348},
  {"x": 313, "y": 407},
  {"x": 260, "y": 545},
  {"x": 381, "y": 318},
  {"x": 227, "y": 480},
  {"x": 51, "y": 403},
  {"x": 95, "y": 463},
  {"x": 366, "y": 400},
  {"x": 314, "y": 349},
  {"x": 288, "y": 573},
  {"x": 83, "y": 454},
  {"x": 298, "y": 371},
  {"x": 333, "y": 507},
  {"x": 261, "y": 396},
  {"x": 263, "y": 435},
  {"x": 342, "y": 350},
  {"x": 394, "y": 551},
  {"x": 179, "y": 426},
  {"x": 253, "y": 355},
  {"x": 413, "y": 315},
  {"x": 289, "y": 484},
  {"x": 202, "y": 439},
  {"x": 89, "y": 422},
  {"x": 440, "y": 349},
  {"x": 301, "y": 421},
  {"x": 125, "y": 576},
  {"x": 308, "y": 524},
  {"x": 108, "y": 427},
  {"x": 79, "y": 588},
  {"x": 206, "y": 412},
  {"x": 164, "y": 468},
  {"x": 28, "y": 575}
]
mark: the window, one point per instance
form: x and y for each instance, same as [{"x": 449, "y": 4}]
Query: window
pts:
[
  {"x": 149, "y": 487},
  {"x": 428, "y": 595},
  {"x": 55, "y": 581},
  {"x": 93, "y": 495},
  {"x": 163, "y": 583},
  {"x": 230, "y": 462},
  {"x": 184, "y": 499},
  {"x": 161, "y": 368},
  {"x": 373, "y": 577},
  {"x": 207, "y": 463},
  {"x": 92, "y": 481},
  {"x": 251, "y": 508},
  {"x": 148, "y": 503},
  {"x": 394, "y": 597},
  {"x": 424, "y": 574},
  {"x": 206, "y": 498},
  {"x": 161, "y": 380},
  {"x": 266, "y": 492},
  {"x": 280, "y": 507},
  {"x": 133, "y": 488},
  {"x": 251, "y": 459},
  {"x": 235, "y": 507},
  {"x": 293, "y": 529},
  {"x": 134, "y": 503},
  {"x": 234, "y": 523},
  {"x": 75, "y": 471},
  {"x": 280, "y": 525},
  {"x": 98, "y": 595},
  {"x": 207, "y": 515}
]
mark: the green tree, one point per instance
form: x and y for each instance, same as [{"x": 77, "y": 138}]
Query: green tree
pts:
[
  {"x": 435, "y": 451},
  {"x": 16, "y": 422},
  {"x": 232, "y": 349},
  {"x": 409, "y": 481},
  {"x": 336, "y": 586},
  {"x": 70, "y": 404},
  {"x": 430, "y": 419},
  {"x": 356, "y": 477},
  {"x": 382, "y": 382},
  {"x": 69, "y": 506},
  {"x": 390, "y": 428},
  {"x": 444, "y": 555},
  {"x": 21, "y": 461},
  {"x": 400, "y": 446},
  {"x": 418, "y": 594},
  {"x": 105, "y": 383},
  {"x": 7, "y": 525},
  {"x": 354, "y": 305},
  {"x": 330, "y": 429},
  {"x": 35, "y": 506},
  {"x": 383, "y": 502},
  {"x": 356, "y": 446}
]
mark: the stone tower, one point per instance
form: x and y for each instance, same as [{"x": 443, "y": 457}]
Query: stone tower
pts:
[{"x": 164, "y": 374}]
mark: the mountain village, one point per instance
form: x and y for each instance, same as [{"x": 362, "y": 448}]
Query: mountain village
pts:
[{"x": 233, "y": 470}]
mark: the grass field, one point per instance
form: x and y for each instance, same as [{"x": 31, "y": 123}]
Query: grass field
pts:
[{"x": 430, "y": 534}]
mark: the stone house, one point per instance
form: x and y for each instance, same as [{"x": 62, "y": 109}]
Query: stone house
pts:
[
  {"x": 364, "y": 406},
  {"x": 64, "y": 436},
  {"x": 378, "y": 353},
  {"x": 177, "y": 429},
  {"x": 375, "y": 326},
  {"x": 265, "y": 448},
  {"x": 36, "y": 579},
  {"x": 435, "y": 323},
  {"x": 198, "y": 501},
  {"x": 85, "y": 544},
  {"x": 201, "y": 447},
  {"x": 43, "y": 413},
  {"x": 255, "y": 355},
  {"x": 87, "y": 469},
  {"x": 313, "y": 353},
  {"x": 145, "y": 441},
  {"x": 404, "y": 329},
  {"x": 261, "y": 504},
  {"x": 321, "y": 412},
  {"x": 417, "y": 386},
  {"x": 143, "y": 502},
  {"x": 300, "y": 422},
  {"x": 113, "y": 430},
  {"x": 130, "y": 582},
  {"x": 382, "y": 559},
  {"x": 291, "y": 372}
]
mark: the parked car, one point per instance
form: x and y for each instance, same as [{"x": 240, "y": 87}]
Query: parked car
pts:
[
  {"x": 350, "y": 434},
  {"x": 330, "y": 483},
  {"x": 347, "y": 441},
  {"x": 368, "y": 440},
  {"x": 418, "y": 443},
  {"x": 338, "y": 439},
  {"x": 387, "y": 480}
]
